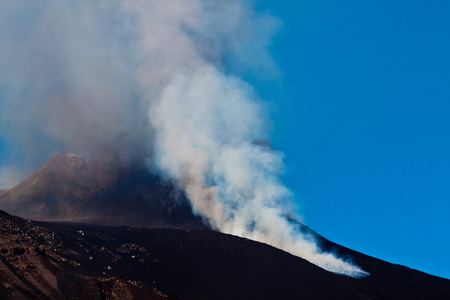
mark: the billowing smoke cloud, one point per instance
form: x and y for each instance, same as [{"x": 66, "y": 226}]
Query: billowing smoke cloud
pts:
[
  {"x": 156, "y": 80},
  {"x": 68, "y": 81}
]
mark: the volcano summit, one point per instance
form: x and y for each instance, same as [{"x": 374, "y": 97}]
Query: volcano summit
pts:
[
  {"x": 71, "y": 189},
  {"x": 187, "y": 260}
]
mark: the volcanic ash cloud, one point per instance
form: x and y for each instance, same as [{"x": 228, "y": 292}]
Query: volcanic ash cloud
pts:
[
  {"x": 208, "y": 123},
  {"x": 159, "y": 80}
]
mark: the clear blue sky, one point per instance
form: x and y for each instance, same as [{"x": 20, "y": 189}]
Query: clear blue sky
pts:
[{"x": 364, "y": 120}]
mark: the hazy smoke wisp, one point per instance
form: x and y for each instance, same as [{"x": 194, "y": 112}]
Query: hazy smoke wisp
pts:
[{"x": 157, "y": 79}]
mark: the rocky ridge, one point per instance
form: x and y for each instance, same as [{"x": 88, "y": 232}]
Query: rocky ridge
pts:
[{"x": 84, "y": 261}]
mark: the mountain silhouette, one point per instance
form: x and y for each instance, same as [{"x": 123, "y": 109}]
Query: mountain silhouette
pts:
[
  {"x": 80, "y": 261},
  {"x": 183, "y": 260},
  {"x": 69, "y": 188}
]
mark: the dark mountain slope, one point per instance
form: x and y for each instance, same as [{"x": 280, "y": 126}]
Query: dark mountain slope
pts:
[
  {"x": 80, "y": 261},
  {"x": 69, "y": 188},
  {"x": 75, "y": 261}
]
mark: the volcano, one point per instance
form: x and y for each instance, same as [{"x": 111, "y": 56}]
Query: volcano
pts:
[
  {"x": 172, "y": 256},
  {"x": 81, "y": 261},
  {"x": 103, "y": 191}
]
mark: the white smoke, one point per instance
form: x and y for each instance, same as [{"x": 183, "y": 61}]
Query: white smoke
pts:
[
  {"x": 68, "y": 81},
  {"x": 94, "y": 67},
  {"x": 208, "y": 123}
]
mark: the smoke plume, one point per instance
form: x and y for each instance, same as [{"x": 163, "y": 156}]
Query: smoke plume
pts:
[{"x": 157, "y": 81}]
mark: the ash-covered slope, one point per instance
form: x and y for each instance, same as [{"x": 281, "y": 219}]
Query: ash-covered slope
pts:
[
  {"x": 69, "y": 188},
  {"x": 73, "y": 261}
]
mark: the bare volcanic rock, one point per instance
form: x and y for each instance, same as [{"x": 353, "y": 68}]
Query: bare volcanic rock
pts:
[
  {"x": 79, "y": 261},
  {"x": 67, "y": 260},
  {"x": 34, "y": 264},
  {"x": 69, "y": 188}
]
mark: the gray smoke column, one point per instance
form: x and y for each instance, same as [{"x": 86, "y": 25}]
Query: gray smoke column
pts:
[
  {"x": 67, "y": 82},
  {"x": 157, "y": 79}
]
